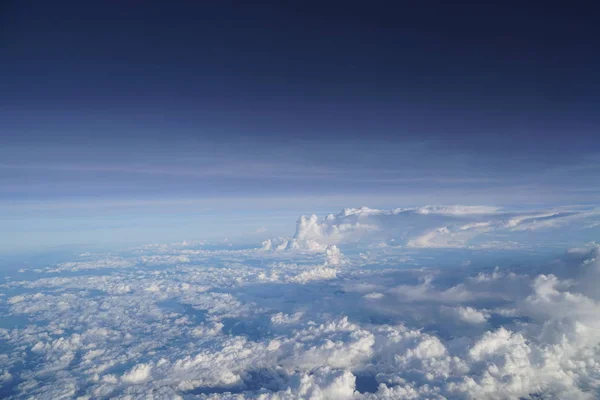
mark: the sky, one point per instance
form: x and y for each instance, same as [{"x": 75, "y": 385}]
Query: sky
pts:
[
  {"x": 316, "y": 200},
  {"x": 140, "y": 121}
]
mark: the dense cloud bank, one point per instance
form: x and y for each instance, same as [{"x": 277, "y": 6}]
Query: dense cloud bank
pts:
[
  {"x": 381, "y": 322},
  {"x": 473, "y": 227}
]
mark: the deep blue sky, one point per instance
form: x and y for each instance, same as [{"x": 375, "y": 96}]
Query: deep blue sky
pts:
[{"x": 146, "y": 107}]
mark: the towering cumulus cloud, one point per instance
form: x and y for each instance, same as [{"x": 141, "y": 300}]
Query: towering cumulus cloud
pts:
[{"x": 364, "y": 304}]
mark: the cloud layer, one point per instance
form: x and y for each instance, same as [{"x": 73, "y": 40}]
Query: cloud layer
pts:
[{"x": 185, "y": 321}]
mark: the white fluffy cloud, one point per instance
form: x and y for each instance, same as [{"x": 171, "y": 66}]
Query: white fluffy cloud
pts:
[{"x": 175, "y": 321}]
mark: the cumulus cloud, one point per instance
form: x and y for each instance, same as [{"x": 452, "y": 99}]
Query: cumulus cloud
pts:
[
  {"x": 468, "y": 314},
  {"x": 317, "y": 273},
  {"x": 137, "y": 374},
  {"x": 333, "y": 255}
]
